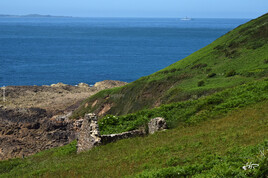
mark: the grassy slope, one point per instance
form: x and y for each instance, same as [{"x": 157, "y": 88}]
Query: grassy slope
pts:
[
  {"x": 191, "y": 112},
  {"x": 241, "y": 53},
  {"x": 212, "y": 136},
  {"x": 218, "y": 147}
]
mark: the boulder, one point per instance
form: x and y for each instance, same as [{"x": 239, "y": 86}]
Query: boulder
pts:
[
  {"x": 108, "y": 84},
  {"x": 157, "y": 124},
  {"x": 83, "y": 85},
  {"x": 58, "y": 85}
]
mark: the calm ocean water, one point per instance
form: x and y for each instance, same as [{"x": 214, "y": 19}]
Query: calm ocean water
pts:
[{"x": 41, "y": 51}]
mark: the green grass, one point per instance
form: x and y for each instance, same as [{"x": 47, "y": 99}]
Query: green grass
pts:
[
  {"x": 214, "y": 148},
  {"x": 238, "y": 57},
  {"x": 190, "y": 112}
]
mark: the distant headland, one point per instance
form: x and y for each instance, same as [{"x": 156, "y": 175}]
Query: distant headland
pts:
[{"x": 33, "y": 15}]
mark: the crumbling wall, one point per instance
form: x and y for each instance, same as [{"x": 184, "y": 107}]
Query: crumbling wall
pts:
[{"x": 89, "y": 135}]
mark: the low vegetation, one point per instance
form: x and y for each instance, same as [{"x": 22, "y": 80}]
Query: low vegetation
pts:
[
  {"x": 190, "y": 112},
  {"x": 219, "y": 147}
]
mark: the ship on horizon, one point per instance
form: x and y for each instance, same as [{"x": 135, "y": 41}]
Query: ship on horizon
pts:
[{"x": 186, "y": 18}]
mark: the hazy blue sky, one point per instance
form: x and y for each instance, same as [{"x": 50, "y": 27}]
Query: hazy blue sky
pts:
[{"x": 138, "y": 8}]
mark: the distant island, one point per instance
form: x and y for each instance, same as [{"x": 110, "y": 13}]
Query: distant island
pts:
[{"x": 32, "y": 15}]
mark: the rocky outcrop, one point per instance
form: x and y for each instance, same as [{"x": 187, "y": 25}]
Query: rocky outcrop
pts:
[
  {"x": 55, "y": 99},
  {"x": 35, "y": 118},
  {"x": 108, "y": 84},
  {"x": 89, "y": 135},
  {"x": 59, "y": 85},
  {"x": 83, "y": 85},
  {"x": 157, "y": 124},
  {"x": 26, "y": 131}
]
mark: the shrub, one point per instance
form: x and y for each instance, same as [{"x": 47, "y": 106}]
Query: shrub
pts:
[
  {"x": 208, "y": 69},
  {"x": 201, "y": 83},
  {"x": 109, "y": 119},
  {"x": 265, "y": 61},
  {"x": 199, "y": 66},
  {"x": 213, "y": 165},
  {"x": 230, "y": 73},
  {"x": 211, "y": 75},
  {"x": 6, "y": 166}
]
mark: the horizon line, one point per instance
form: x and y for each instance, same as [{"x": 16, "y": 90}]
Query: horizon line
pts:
[{"x": 144, "y": 17}]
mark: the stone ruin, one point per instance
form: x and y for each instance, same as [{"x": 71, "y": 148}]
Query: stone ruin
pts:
[
  {"x": 157, "y": 124},
  {"x": 89, "y": 135}
]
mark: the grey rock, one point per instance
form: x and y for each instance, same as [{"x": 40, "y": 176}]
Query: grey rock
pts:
[
  {"x": 115, "y": 137},
  {"x": 83, "y": 85},
  {"x": 64, "y": 118},
  {"x": 89, "y": 135},
  {"x": 157, "y": 124},
  {"x": 58, "y": 85},
  {"x": 78, "y": 124}
]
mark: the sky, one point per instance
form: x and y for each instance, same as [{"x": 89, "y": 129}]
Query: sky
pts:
[{"x": 138, "y": 8}]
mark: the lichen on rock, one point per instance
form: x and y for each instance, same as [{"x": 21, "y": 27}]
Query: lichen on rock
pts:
[{"x": 157, "y": 124}]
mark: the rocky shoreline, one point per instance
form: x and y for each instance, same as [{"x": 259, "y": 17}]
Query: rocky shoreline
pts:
[{"x": 35, "y": 118}]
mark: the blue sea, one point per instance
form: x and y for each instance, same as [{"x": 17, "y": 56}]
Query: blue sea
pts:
[{"x": 43, "y": 51}]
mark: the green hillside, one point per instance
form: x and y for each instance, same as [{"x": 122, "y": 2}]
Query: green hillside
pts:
[
  {"x": 238, "y": 57},
  {"x": 215, "y": 148},
  {"x": 215, "y": 103}
]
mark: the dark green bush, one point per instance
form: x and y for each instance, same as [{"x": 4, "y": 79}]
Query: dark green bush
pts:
[
  {"x": 199, "y": 66},
  {"x": 208, "y": 69},
  {"x": 6, "y": 166},
  {"x": 211, "y": 75},
  {"x": 230, "y": 73},
  {"x": 201, "y": 83},
  {"x": 109, "y": 120}
]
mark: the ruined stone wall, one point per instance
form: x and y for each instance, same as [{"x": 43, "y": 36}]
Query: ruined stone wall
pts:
[
  {"x": 89, "y": 135},
  {"x": 114, "y": 137}
]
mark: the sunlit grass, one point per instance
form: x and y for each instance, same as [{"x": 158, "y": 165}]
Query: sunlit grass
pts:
[{"x": 181, "y": 146}]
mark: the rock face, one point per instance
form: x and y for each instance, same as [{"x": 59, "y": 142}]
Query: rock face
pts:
[
  {"x": 89, "y": 135},
  {"x": 26, "y": 131},
  {"x": 35, "y": 118},
  {"x": 157, "y": 124}
]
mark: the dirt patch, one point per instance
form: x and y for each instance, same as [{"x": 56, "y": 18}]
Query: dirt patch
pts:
[
  {"x": 94, "y": 103},
  {"x": 105, "y": 108}
]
